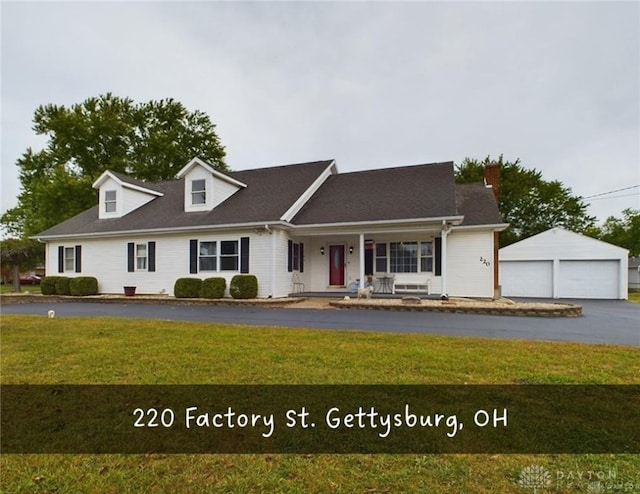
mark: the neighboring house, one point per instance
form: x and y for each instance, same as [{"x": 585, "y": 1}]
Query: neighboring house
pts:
[
  {"x": 634, "y": 273},
  {"x": 305, "y": 223},
  {"x": 561, "y": 264}
]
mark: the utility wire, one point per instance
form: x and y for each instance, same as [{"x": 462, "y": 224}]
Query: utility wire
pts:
[
  {"x": 612, "y": 191},
  {"x": 615, "y": 197}
]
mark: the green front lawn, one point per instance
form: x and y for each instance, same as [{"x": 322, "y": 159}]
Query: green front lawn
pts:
[
  {"x": 117, "y": 351},
  {"x": 8, "y": 288}
]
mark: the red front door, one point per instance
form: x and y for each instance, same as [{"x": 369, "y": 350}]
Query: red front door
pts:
[{"x": 336, "y": 265}]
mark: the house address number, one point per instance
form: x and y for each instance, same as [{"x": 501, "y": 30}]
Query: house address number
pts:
[{"x": 484, "y": 261}]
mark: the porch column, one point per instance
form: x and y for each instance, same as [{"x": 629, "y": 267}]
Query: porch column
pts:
[
  {"x": 443, "y": 258},
  {"x": 361, "y": 259}
]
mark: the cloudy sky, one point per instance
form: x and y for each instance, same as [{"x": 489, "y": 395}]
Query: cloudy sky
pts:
[{"x": 371, "y": 84}]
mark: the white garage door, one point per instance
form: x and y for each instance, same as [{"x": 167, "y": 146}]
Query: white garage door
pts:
[
  {"x": 526, "y": 278},
  {"x": 589, "y": 279}
]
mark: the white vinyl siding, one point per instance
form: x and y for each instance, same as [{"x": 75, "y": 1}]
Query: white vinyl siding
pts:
[
  {"x": 468, "y": 272},
  {"x": 102, "y": 257}
]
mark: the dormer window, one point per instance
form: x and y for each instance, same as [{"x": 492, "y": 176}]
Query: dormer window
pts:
[
  {"x": 198, "y": 191},
  {"x": 110, "y": 201}
]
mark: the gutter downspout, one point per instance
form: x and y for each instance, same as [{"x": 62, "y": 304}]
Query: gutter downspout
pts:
[
  {"x": 273, "y": 262},
  {"x": 446, "y": 228}
]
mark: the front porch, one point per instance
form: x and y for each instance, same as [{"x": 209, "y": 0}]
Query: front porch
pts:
[
  {"x": 340, "y": 294},
  {"x": 392, "y": 263}
]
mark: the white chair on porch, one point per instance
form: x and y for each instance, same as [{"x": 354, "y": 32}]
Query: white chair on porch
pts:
[{"x": 298, "y": 286}]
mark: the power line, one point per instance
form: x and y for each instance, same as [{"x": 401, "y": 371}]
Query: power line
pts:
[
  {"x": 612, "y": 191},
  {"x": 615, "y": 197}
]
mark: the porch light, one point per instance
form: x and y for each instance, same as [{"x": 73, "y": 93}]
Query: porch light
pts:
[
  {"x": 351, "y": 249},
  {"x": 322, "y": 250}
]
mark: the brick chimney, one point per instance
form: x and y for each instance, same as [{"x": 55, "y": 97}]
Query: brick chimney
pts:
[{"x": 492, "y": 178}]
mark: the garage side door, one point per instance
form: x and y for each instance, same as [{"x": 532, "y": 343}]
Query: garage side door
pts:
[
  {"x": 526, "y": 278},
  {"x": 589, "y": 279}
]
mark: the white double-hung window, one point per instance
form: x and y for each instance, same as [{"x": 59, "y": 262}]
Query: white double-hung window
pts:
[
  {"x": 198, "y": 191},
  {"x": 109, "y": 201},
  {"x": 141, "y": 257}
]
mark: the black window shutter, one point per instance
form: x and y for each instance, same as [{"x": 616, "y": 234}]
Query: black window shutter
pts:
[
  {"x": 78, "y": 258},
  {"x": 301, "y": 257},
  {"x": 244, "y": 254},
  {"x": 61, "y": 259},
  {"x": 290, "y": 257},
  {"x": 131, "y": 257},
  {"x": 438, "y": 254},
  {"x": 193, "y": 256},
  {"x": 151, "y": 252}
]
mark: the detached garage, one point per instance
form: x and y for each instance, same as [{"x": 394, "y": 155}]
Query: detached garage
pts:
[{"x": 562, "y": 264}]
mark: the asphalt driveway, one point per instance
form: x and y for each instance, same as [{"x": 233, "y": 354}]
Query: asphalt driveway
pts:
[{"x": 603, "y": 321}]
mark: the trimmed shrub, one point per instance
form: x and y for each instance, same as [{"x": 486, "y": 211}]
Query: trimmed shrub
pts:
[
  {"x": 48, "y": 285},
  {"x": 244, "y": 286},
  {"x": 83, "y": 285},
  {"x": 63, "y": 285},
  {"x": 187, "y": 288},
  {"x": 213, "y": 287}
]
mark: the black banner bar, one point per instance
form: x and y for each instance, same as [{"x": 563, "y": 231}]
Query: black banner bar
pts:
[{"x": 531, "y": 419}]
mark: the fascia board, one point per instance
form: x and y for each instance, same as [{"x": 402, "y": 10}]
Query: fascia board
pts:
[{"x": 498, "y": 227}]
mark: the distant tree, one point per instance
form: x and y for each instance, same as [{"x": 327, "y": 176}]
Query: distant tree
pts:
[
  {"x": 527, "y": 202},
  {"x": 18, "y": 255},
  {"x": 623, "y": 232},
  {"x": 149, "y": 141}
]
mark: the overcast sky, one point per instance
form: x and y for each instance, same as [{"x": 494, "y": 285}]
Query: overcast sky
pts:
[{"x": 370, "y": 84}]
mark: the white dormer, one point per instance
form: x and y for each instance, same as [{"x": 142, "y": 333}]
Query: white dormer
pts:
[
  {"x": 205, "y": 187},
  {"x": 120, "y": 195}
]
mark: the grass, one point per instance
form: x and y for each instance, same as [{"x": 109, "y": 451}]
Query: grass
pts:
[
  {"x": 634, "y": 297},
  {"x": 117, "y": 351},
  {"x": 8, "y": 288}
]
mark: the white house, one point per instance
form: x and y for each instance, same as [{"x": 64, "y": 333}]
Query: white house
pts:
[
  {"x": 410, "y": 227},
  {"x": 561, "y": 264}
]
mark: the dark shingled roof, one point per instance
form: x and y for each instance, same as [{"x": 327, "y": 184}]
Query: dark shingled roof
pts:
[
  {"x": 477, "y": 204},
  {"x": 270, "y": 192},
  {"x": 408, "y": 192},
  {"x": 418, "y": 191}
]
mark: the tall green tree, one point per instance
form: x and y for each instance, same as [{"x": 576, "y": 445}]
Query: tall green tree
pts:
[
  {"x": 17, "y": 255},
  {"x": 149, "y": 141},
  {"x": 623, "y": 232},
  {"x": 527, "y": 202}
]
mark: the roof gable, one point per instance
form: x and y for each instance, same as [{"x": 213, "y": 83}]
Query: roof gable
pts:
[
  {"x": 206, "y": 166},
  {"x": 407, "y": 192},
  {"x": 558, "y": 240},
  {"x": 126, "y": 182}
]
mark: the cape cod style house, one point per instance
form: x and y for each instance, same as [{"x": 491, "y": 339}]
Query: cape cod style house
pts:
[{"x": 301, "y": 227}]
